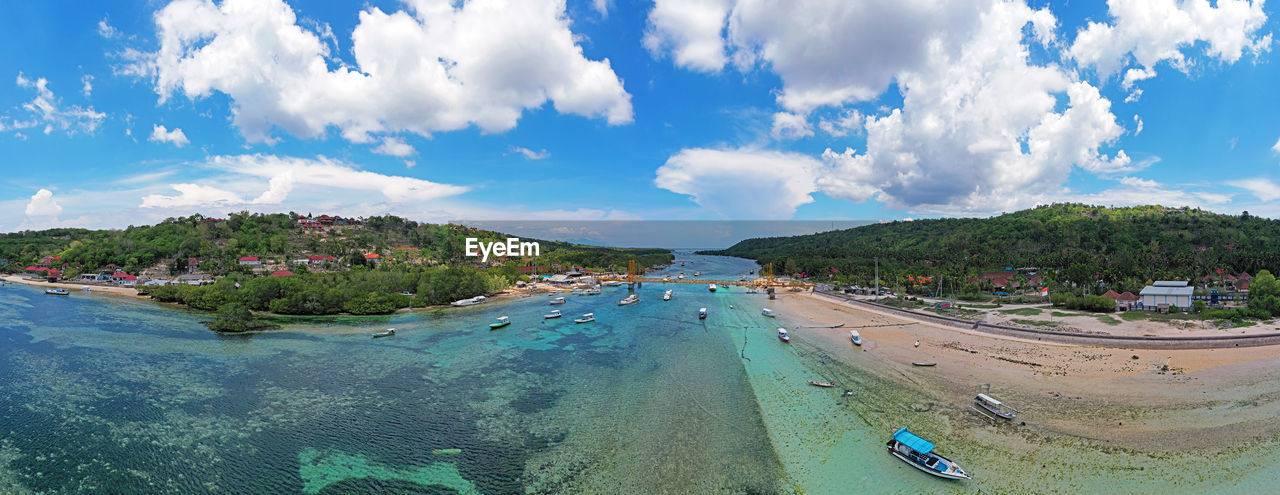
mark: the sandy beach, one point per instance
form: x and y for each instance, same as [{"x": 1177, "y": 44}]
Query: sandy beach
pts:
[
  {"x": 97, "y": 289},
  {"x": 1143, "y": 399}
]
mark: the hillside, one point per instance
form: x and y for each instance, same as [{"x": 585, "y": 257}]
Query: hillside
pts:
[{"x": 1121, "y": 247}]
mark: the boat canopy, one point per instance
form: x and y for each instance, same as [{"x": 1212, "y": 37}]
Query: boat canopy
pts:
[
  {"x": 914, "y": 442},
  {"x": 988, "y": 399}
]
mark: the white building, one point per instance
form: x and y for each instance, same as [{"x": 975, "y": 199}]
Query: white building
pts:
[{"x": 1167, "y": 293}]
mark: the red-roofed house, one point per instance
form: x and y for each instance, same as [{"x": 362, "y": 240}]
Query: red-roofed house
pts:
[
  {"x": 317, "y": 260},
  {"x": 373, "y": 258},
  {"x": 53, "y": 274},
  {"x": 1005, "y": 280},
  {"x": 281, "y": 273},
  {"x": 123, "y": 278},
  {"x": 250, "y": 260}
]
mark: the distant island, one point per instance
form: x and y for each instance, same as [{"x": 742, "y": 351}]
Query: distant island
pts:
[{"x": 295, "y": 264}]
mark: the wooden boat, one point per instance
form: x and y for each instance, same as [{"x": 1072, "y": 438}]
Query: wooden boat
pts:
[
  {"x": 783, "y": 335},
  {"x": 914, "y": 363},
  {"x": 501, "y": 322},
  {"x": 57, "y": 292},
  {"x": 702, "y": 313},
  {"x": 767, "y": 312},
  {"x": 994, "y": 406},
  {"x": 711, "y": 287},
  {"x": 667, "y": 295},
  {"x": 586, "y": 318},
  {"x": 631, "y": 299},
  {"x": 918, "y": 452},
  {"x": 555, "y": 313},
  {"x": 385, "y": 333},
  {"x": 591, "y": 292},
  {"x": 469, "y": 302},
  {"x": 826, "y": 384},
  {"x": 612, "y": 283},
  {"x": 857, "y": 339},
  {"x": 557, "y": 301}
]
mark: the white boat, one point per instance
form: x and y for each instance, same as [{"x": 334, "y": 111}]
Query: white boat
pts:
[
  {"x": 585, "y": 318},
  {"x": 57, "y": 292},
  {"x": 556, "y": 301},
  {"x": 469, "y": 302},
  {"x": 697, "y": 274},
  {"x": 857, "y": 339},
  {"x": 994, "y": 406},
  {"x": 390, "y": 332},
  {"x": 555, "y": 313},
  {"x": 702, "y": 313},
  {"x": 631, "y": 299},
  {"x": 767, "y": 312},
  {"x": 612, "y": 283},
  {"x": 592, "y": 292},
  {"x": 681, "y": 276},
  {"x": 711, "y": 287},
  {"x": 918, "y": 452},
  {"x": 666, "y": 296},
  {"x": 783, "y": 335}
]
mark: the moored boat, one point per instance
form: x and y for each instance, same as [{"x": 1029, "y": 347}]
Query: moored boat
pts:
[
  {"x": 557, "y": 301},
  {"x": 502, "y": 321},
  {"x": 385, "y": 333},
  {"x": 57, "y": 292},
  {"x": 826, "y": 384},
  {"x": 469, "y": 302},
  {"x": 702, "y": 313},
  {"x": 994, "y": 406},
  {"x": 918, "y": 452},
  {"x": 711, "y": 287},
  {"x": 595, "y": 291},
  {"x": 631, "y": 299},
  {"x": 918, "y": 363},
  {"x": 767, "y": 312},
  {"x": 697, "y": 274},
  {"x": 612, "y": 283},
  {"x": 585, "y": 318},
  {"x": 783, "y": 335},
  {"x": 681, "y": 277},
  {"x": 666, "y": 296},
  {"x": 555, "y": 313},
  {"x": 855, "y": 337}
]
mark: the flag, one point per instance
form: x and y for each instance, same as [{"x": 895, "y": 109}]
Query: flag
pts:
[{"x": 1044, "y": 292}]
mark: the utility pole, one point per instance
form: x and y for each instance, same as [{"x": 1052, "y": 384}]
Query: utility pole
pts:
[{"x": 877, "y": 258}]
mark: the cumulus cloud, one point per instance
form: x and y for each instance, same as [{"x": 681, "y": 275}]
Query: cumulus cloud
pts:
[
  {"x": 46, "y": 109},
  {"x": 436, "y": 66},
  {"x": 192, "y": 195},
  {"x": 690, "y": 30},
  {"x": 86, "y": 85},
  {"x": 1154, "y": 31},
  {"x": 42, "y": 204},
  {"x": 742, "y": 183},
  {"x": 394, "y": 146},
  {"x": 531, "y": 154},
  {"x": 791, "y": 126},
  {"x": 1274, "y": 147},
  {"x": 1262, "y": 188},
  {"x": 1138, "y": 121},
  {"x": 848, "y": 122},
  {"x": 106, "y": 30},
  {"x": 161, "y": 134}
]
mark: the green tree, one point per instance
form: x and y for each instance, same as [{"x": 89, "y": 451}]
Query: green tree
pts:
[{"x": 234, "y": 317}]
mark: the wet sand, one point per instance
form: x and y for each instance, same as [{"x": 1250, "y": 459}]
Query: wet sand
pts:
[{"x": 1204, "y": 399}]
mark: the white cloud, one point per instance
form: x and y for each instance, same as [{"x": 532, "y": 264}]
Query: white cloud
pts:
[
  {"x": 1138, "y": 121},
  {"x": 437, "y": 66},
  {"x": 791, "y": 126},
  {"x": 602, "y": 6},
  {"x": 691, "y": 31},
  {"x": 1136, "y": 74},
  {"x": 326, "y": 173},
  {"x": 394, "y": 146},
  {"x": 106, "y": 30},
  {"x": 86, "y": 85},
  {"x": 741, "y": 183},
  {"x": 47, "y": 110},
  {"x": 160, "y": 134},
  {"x": 1262, "y": 188},
  {"x": 1154, "y": 31},
  {"x": 848, "y": 122},
  {"x": 42, "y": 204},
  {"x": 1133, "y": 95},
  {"x": 192, "y": 195},
  {"x": 531, "y": 154},
  {"x": 1274, "y": 147}
]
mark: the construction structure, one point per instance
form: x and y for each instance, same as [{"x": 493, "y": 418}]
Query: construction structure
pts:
[{"x": 766, "y": 279}]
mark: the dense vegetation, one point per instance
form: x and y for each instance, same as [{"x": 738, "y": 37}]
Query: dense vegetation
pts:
[{"x": 1082, "y": 249}]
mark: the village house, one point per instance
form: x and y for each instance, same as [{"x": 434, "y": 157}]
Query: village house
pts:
[
  {"x": 1124, "y": 302},
  {"x": 373, "y": 259},
  {"x": 124, "y": 279},
  {"x": 1006, "y": 280},
  {"x": 250, "y": 261},
  {"x": 1166, "y": 294}
]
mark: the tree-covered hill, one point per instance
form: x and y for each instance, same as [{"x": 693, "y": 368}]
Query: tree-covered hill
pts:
[{"x": 1121, "y": 247}]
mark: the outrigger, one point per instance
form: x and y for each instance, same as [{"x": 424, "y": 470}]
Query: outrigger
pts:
[{"x": 994, "y": 406}]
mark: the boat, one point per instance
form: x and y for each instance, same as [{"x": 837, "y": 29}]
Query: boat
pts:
[
  {"x": 914, "y": 363},
  {"x": 469, "y": 302},
  {"x": 783, "y": 335},
  {"x": 711, "y": 287},
  {"x": 585, "y": 318},
  {"x": 385, "y": 333},
  {"x": 767, "y": 312},
  {"x": 681, "y": 277},
  {"x": 702, "y": 313},
  {"x": 57, "y": 292},
  {"x": 826, "y": 384},
  {"x": 994, "y": 406},
  {"x": 666, "y": 296},
  {"x": 446, "y": 451},
  {"x": 697, "y": 274},
  {"x": 592, "y": 292},
  {"x": 557, "y": 301},
  {"x": 555, "y": 313},
  {"x": 631, "y": 299},
  {"x": 918, "y": 452},
  {"x": 501, "y": 322},
  {"x": 83, "y": 288},
  {"x": 857, "y": 339},
  {"x": 612, "y": 283}
]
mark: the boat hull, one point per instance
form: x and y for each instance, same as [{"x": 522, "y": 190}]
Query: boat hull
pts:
[
  {"x": 940, "y": 474},
  {"x": 1002, "y": 414},
  {"x": 495, "y": 326}
]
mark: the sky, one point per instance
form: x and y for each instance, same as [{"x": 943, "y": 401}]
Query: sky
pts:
[{"x": 126, "y": 113}]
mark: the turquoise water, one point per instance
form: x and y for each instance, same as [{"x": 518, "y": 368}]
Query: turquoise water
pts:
[{"x": 102, "y": 394}]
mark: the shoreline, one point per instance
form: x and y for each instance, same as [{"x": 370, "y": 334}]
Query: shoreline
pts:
[{"x": 97, "y": 289}]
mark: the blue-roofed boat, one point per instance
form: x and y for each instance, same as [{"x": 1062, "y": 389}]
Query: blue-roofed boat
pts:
[{"x": 918, "y": 452}]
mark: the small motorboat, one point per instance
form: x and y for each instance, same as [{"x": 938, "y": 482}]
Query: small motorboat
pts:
[
  {"x": 592, "y": 292},
  {"x": 666, "y": 296},
  {"x": 994, "y": 406},
  {"x": 697, "y": 274},
  {"x": 916, "y": 363},
  {"x": 446, "y": 451},
  {"x": 86, "y": 288},
  {"x": 385, "y": 333},
  {"x": 502, "y": 321},
  {"x": 857, "y": 339},
  {"x": 557, "y": 301},
  {"x": 711, "y": 287},
  {"x": 767, "y": 312},
  {"x": 918, "y": 452},
  {"x": 585, "y": 318},
  {"x": 631, "y": 299},
  {"x": 783, "y": 335},
  {"x": 681, "y": 277},
  {"x": 612, "y": 283},
  {"x": 57, "y": 292},
  {"x": 826, "y": 384},
  {"x": 702, "y": 313},
  {"x": 555, "y": 313}
]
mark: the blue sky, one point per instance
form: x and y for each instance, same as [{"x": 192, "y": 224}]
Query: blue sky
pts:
[{"x": 127, "y": 113}]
